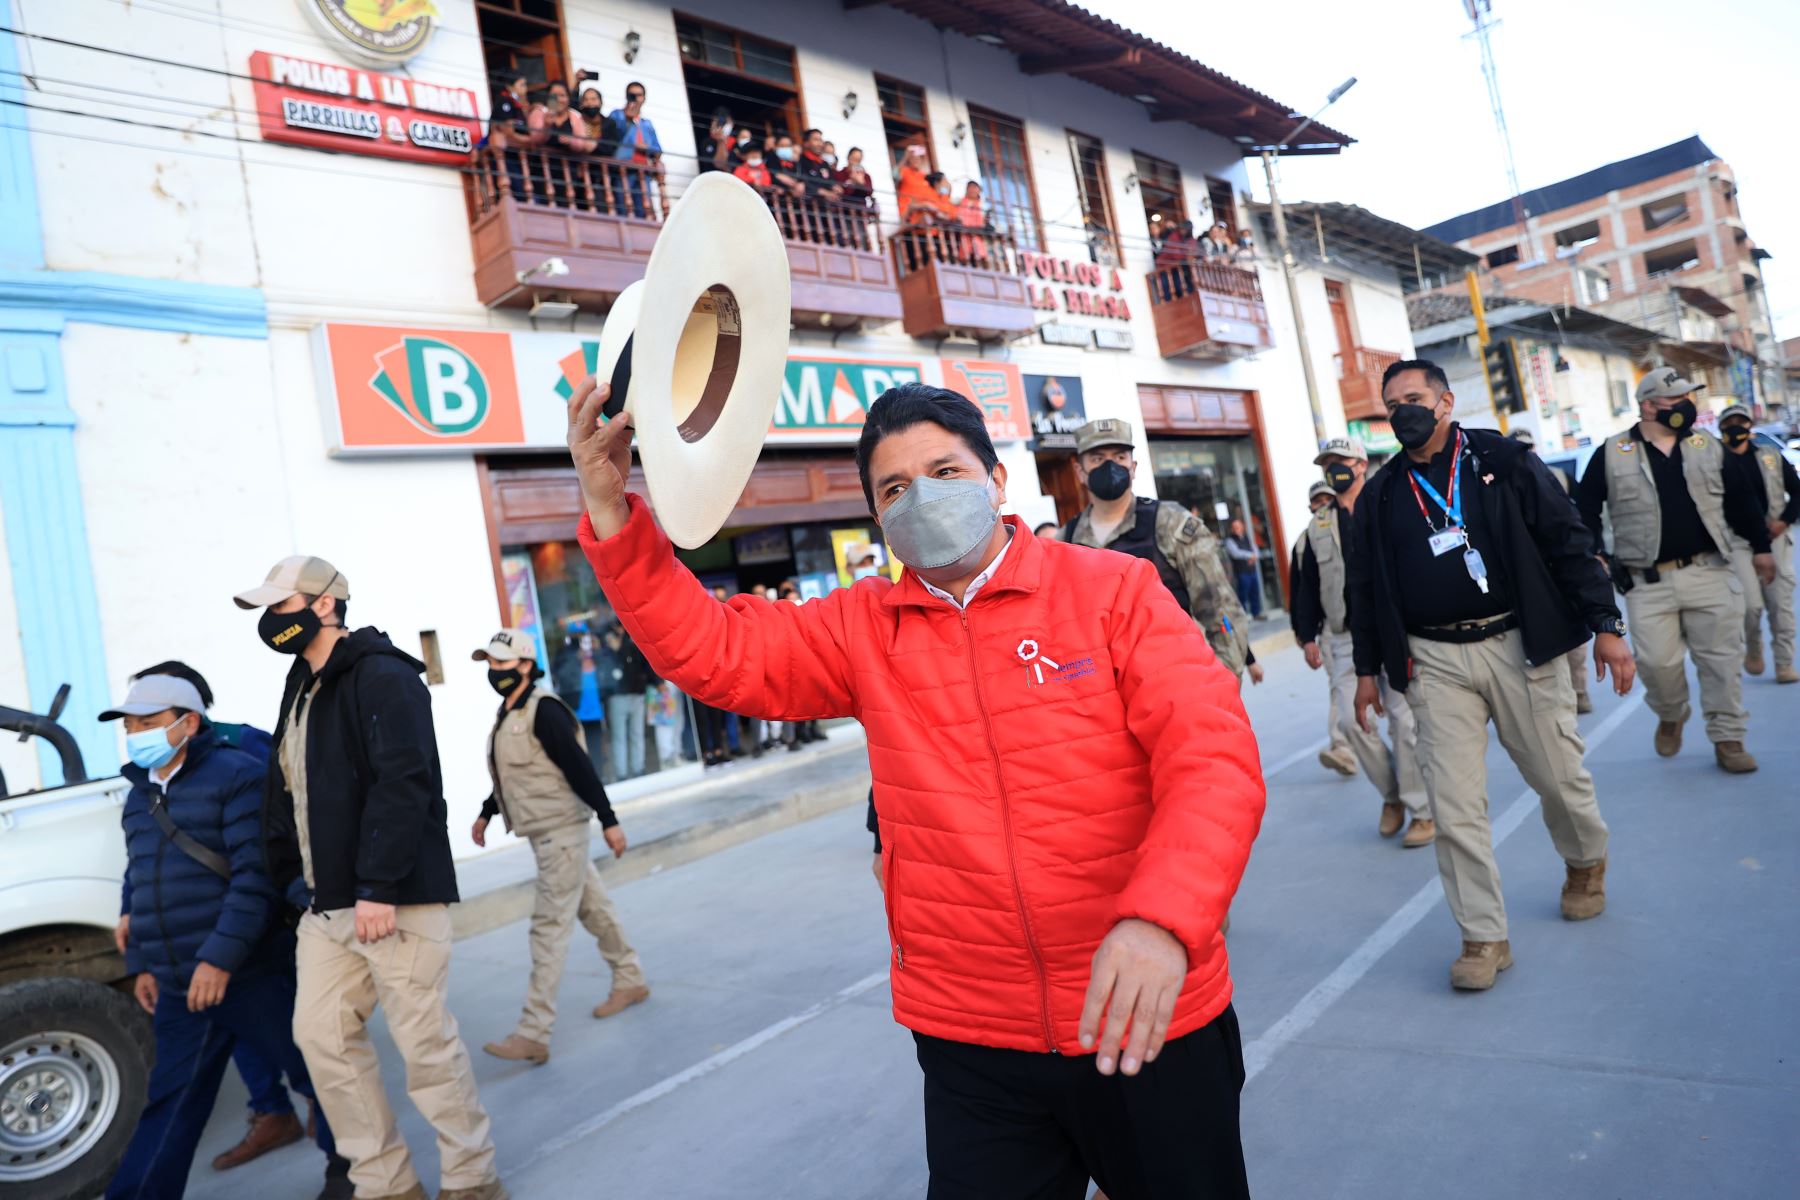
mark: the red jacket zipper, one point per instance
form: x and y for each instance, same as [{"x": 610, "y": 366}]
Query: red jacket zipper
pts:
[{"x": 1012, "y": 859}]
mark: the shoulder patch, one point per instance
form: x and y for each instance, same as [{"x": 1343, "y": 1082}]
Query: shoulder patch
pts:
[
  {"x": 1769, "y": 459},
  {"x": 1698, "y": 439},
  {"x": 1190, "y": 530},
  {"x": 1625, "y": 446},
  {"x": 1322, "y": 518}
]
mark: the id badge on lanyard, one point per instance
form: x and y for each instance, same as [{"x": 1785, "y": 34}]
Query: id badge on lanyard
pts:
[{"x": 1453, "y": 535}]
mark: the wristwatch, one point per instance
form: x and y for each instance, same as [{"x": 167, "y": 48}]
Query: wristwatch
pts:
[{"x": 1612, "y": 625}]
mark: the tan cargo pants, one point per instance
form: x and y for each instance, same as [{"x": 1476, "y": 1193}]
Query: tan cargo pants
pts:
[
  {"x": 1396, "y": 774},
  {"x": 568, "y": 890},
  {"x": 340, "y": 982},
  {"x": 1456, "y": 692},
  {"x": 1697, "y": 610},
  {"x": 1578, "y": 668},
  {"x": 1777, "y": 599},
  {"x": 1334, "y": 712}
]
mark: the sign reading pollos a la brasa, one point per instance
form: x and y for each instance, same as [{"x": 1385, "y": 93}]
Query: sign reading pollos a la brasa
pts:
[{"x": 329, "y": 106}]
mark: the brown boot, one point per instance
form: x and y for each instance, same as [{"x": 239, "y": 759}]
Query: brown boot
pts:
[
  {"x": 415, "y": 1192},
  {"x": 1392, "y": 817},
  {"x": 518, "y": 1048},
  {"x": 1584, "y": 892},
  {"x": 1732, "y": 757},
  {"x": 493, "y": 1189},
  {"x": 1339, "y": 759},
  {"x": 1753, "y": 659},
  {"x": 1422, "y": 832},
  {"x": 1584, "y": 703},
  {"x": 1668, "y": 738},
  {"x": 620, "y": 1000},
  {"x": 1786, "y": 674},
  {"x": 268, "y": 1131},
  {"x": 1480, "y": 963}
]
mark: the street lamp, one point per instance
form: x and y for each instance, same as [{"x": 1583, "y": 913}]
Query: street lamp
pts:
[{"x": 1287, "y": 258}]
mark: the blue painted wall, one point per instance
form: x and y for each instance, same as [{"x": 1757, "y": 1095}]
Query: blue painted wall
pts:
[{"x": 40, "y": 489}]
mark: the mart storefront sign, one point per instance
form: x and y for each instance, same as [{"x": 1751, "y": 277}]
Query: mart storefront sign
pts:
[{"x": 399, "y": 390}]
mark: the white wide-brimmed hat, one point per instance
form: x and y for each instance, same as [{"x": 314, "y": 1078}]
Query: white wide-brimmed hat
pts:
[{"x": 697, "y": 350}]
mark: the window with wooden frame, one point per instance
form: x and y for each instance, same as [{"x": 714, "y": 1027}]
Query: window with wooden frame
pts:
[
  {"x": 1159, "y": 186},
  {"x": 1094, "y": 189},
  {"x": 1008, "y": 190},
  {"x": 1224, "y": 204},
  {"x": 754, "y": 80},
  {"x": 522, "y": 37},
  {"x": 904, "y": 118}
]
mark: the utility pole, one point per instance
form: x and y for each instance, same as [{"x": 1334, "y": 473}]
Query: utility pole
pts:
[
  {"x": 1481, "y": 12},
  {"x": 1287, "y": 256}
]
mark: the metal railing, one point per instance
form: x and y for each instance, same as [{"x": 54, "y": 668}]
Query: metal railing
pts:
[
  {"x": 1204, "y": 275},
  {"x": 963, "y": 246}
]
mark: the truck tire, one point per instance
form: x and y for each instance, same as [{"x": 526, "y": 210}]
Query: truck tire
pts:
[{"x": 74, "y": 1070}]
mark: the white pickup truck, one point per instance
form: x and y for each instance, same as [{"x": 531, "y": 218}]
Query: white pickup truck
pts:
[{"x": 75, "y": 1049}]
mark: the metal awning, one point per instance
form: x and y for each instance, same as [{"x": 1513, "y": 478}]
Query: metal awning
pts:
[
  {"x": 1054, "y": 37},
  {"x": 1358, "y": 234}
]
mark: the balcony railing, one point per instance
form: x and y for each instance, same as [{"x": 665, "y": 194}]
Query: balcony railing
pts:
[
  {"x": 1208, "y": 309},
  {"x": 961, "y": 279},
  {"x": 837, "y": 261},
  {"x": 1359, "y": 382}
]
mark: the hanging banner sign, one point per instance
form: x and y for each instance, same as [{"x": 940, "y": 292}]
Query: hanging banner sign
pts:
[
  {"x": 396, "y": 390},
  {"x": 331, "y": 107}
]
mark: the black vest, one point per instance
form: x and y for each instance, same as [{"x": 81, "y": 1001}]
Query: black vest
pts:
[{"x": 1141, "y": 543}]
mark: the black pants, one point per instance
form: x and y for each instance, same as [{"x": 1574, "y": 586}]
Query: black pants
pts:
[{"x": 1014, "y": 1125}]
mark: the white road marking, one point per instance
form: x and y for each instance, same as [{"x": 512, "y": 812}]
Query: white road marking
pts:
[
  {"x": 705, "y": 1067},
  {"x": 1303, "y": 753},
  {"x": 1259, "y": 1053}
]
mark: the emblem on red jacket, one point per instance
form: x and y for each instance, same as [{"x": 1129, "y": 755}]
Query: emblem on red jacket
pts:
[{"x": 1035, "y": 661}]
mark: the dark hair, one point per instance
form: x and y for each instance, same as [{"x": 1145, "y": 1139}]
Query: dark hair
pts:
[
  {"x": 1043, "y": 525},
  {"x": 910, "y": 404},
  {"x": 557, "y": 83},
  {"x": 807, "y": 135},
  {"x": 853, "y": 150},
  {"x": 934, "y": 178},
  {"x": 1434, "y": 374},
  {"x": 343, "y": 605},
  {"x": 180, "y": 670},
  {"x": 635, "y": 84}
]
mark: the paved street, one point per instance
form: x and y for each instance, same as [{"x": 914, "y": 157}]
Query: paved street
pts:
[{"x": 1650, "y": 1053}]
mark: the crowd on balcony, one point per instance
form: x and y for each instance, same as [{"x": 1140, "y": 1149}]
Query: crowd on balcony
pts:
[
  {"x": 574, "y": 153},
  {"x": 1179, "y": 254}
]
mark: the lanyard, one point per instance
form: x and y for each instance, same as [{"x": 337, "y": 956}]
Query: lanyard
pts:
[{"x": 1452, "y": 508}]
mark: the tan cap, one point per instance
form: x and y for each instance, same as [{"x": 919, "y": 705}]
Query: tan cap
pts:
[
  {"x": 1524, "y": 437},
  {"x": 1665, "y": 383},
  {"x": 1341, "y": 447},
  {"x": 857, "y": 552},
  {"x": 507, "y": 645},
  {"x": 296, "y": 575},
  {"x": 1736, "y": 410},
  {"x": 1105, "y": 431},
  {"x": 1319, "y": 488}
]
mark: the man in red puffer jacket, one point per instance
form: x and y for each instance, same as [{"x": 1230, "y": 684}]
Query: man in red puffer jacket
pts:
[{"x": 1067, "y": 787}]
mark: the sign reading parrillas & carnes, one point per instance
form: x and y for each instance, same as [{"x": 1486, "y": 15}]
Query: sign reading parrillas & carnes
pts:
[{"x": 334, "y": 107}]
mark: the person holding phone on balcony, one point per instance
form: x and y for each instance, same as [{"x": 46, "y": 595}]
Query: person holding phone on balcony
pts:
[
  {"x": 638, "y": 145},
  {"x": 971, "y": 215}
]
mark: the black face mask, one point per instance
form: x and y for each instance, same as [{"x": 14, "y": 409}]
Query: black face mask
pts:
[
  {"x": 1109, "y": 480},
  {"x": 288, "y": 633},
  {"x": 1679, "y": 415},
  {"x": 503, "y": 681},
  {"x": 1413, "y": 424},
  {"x": 1340, "y": 477},
  {"x": 1734, "y": 435},
  {"x": 590, "y": 111}
]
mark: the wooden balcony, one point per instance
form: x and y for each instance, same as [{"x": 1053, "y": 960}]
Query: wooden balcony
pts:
[
  {"x": 963, "y": 280},
  {"x": 602, "y": 218},
  {"x": 1209, "y": 310},
  {"x": 1359, "y": 382}
]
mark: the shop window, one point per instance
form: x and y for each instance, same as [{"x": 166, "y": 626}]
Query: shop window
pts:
[
  {"x": 1575, "y": 237},
  {"x": 1006, "y": 176},
  {"x": 1503, "y": 256},
  {"x": 1668, "y": 260},
  {"x": 904, "y": 118},
  {"x": 1095, "y": 193},
  {"x": 1659, "y": 214},
  {"x": 752, "y": 79},
  {"x": 1159, "y": 186}
]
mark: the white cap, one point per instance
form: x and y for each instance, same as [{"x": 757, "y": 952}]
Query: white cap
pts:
[
  {"x": 507, "y": 645},
  {"x": 153, "y": 694}
]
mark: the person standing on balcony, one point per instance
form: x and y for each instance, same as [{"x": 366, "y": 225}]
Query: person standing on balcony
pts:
[
  {"x": 1064, "y": 978},
  {"x": 1674, "y": 509},
  {"x": 1321, "y": 622},
  {"x": 825, "y": 221},
  {"x": 600, "y": 134},
  {"x": 1763, "y": 471},
  {"x": 1217, "y": 243},
  {"x": 854, "y": 181},
  {"x": 509, "y": 127},
  {"x": 553, "y": 128},
  {"x": 1178, "y": 544},
  {"x": 753, "y": 170},
  {"x": 1246, "y": 570},
  {"x": 546, "y": 790},
  {"x": 971, "y": 215},
  {"x": 638, "y": 145},
  {"x": 1175, "y": 261}
]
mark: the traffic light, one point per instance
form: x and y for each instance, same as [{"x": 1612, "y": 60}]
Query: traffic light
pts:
[{"x": 1500, "y": 362}]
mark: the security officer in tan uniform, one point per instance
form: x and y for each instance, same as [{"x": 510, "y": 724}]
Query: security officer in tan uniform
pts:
[
  {"x": 1765, "y": 470},
  {"x": 1673, "y": 507},
  {"x": 1179, "y": 545},
  {"x": 1321, "y": 621},
  {"x": 1576, "y": 658},
  {"x": 1337, "y": 755},
  {"x": 546, "y": 790}
]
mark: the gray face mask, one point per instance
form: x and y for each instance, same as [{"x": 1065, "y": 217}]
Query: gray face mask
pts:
[{"x": 940, "y": 524}]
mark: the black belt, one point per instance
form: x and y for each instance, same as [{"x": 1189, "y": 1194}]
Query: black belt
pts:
[
  {"x": 1464, "y": 632},
  {"x": 1705, "y": 558}
]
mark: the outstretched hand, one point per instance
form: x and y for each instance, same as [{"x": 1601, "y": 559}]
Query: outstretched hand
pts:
[{"x": 602, "y": 453}]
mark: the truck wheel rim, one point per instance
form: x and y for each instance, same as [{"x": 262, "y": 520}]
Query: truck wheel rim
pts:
[{"x": 59, "y": 1093}]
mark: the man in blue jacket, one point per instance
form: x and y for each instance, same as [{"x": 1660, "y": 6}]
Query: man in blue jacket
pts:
[{"x": 212, "y": 966}]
